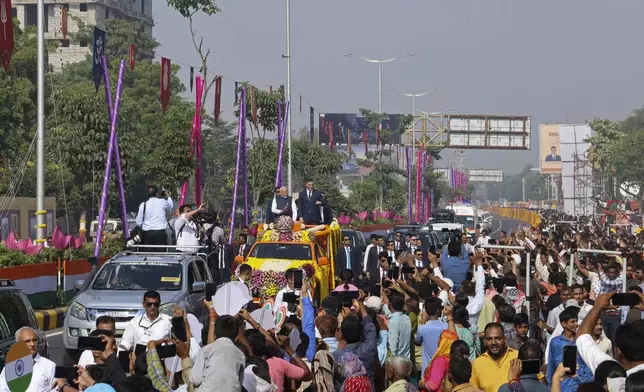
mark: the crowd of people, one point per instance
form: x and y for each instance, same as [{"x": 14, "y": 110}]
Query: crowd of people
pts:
[{"x": 405, "y": 320}]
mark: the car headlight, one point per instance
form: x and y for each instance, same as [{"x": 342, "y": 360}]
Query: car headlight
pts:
[
  {"x": 78, "y": 311},
  {"x": 167, "y": 308}
]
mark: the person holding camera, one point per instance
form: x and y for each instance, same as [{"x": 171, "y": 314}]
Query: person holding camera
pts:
[
  {"x": 152, "y": 217},
  {"x": 188, "y": 234}
]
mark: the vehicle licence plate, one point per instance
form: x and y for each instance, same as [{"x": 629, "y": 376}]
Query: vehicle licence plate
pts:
[{"x": 117, "y": 314}]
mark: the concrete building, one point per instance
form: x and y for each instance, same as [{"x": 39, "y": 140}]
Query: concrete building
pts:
[{"x": 90, "y": 12}]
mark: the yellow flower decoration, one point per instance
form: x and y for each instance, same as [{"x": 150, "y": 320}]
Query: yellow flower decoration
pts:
[{"x": 272, "y": 290}]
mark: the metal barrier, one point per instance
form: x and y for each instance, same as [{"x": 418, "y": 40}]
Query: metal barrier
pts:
[
  {"x": 527, "y": 270},
  {"x": 601, "y": 252}
]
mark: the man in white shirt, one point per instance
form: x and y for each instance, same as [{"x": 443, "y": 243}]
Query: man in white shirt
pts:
[
  {"x": 186, "y": 230},
  {"x": 152, "y": 218},
  {"x": 104, "y": 323},
  {"x": 151, "y": 325},
  {"x": 42, "y": 376},
  {"x": 283, "y": 204},
  {"x": 484, "y": 239},
  {"x": 290, "y": 288}
]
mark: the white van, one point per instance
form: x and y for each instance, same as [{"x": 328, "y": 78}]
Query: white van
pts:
[{"x": 467, "y": 216}]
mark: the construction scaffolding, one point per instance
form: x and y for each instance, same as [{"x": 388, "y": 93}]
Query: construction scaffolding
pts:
[{"x": 583, "y": 182}]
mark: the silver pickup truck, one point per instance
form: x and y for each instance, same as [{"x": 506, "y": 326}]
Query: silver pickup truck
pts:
[{"x": 117, "y": 289}]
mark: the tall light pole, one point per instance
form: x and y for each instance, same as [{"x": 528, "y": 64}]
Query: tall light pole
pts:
[
  {"x": 41, "y": 215},
  {"x": 289, "y": 170},
  {"x": 380, "y": 62}
]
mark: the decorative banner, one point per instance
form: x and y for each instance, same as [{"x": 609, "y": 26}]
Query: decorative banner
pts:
[
  {"x": 236, "y": 96},
  {"x": 217, "y": 98},
  {"x": 280, "y": 144},
  {"x": 422, "y": 186},
  {"x": 409, "y": 194},
  {"x": 98, "y": 48},
  {"x": 300, "y": 103},
  {"x": 6, "y": 38},
  {"x": 192, "y": 77},
  {"x": 311, "y": 122},
  {"x": 165, "y": 82},
  {"x": 418, "y": 180},
  {"x": 108, "y": 163},
  {"x": 64, "y": 16},
  {"x": 19, "y": 365},
  {"x": 197, "y": 132},
  {"x": 241, "y": 130},
  {"x": 117, "y": 152},
  {"x": 280, "y": 164},
  {"x": 132, "y": 57},
  {"x": 253, "y": 108}
]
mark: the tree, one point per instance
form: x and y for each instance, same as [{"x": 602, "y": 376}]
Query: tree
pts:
[{"x": 383, "y": 170}]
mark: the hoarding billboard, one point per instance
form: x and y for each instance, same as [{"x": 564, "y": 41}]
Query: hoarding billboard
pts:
[
  {"x": 351, "y": 129},
  {"x": 488, "y": 132},
  {"x": 549, "y": 149},
  {"x": 484, "y": 175}
]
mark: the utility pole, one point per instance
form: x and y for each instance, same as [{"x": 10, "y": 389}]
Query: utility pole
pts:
[
  {"x": 41, "y": 214},
  {"x": 288, "y": 96}
]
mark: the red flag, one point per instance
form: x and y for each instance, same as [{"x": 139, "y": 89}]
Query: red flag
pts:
[
  {"x": 6, "y": 36},
  {"x": 132, "y": 57},
  {"x": 64, "y": 15},
  {"x": 165, "y": 82},
  {"x": 217, "y": 97}
]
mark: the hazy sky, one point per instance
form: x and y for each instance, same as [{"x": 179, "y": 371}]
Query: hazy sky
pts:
[{"x": 556, "y": 61}]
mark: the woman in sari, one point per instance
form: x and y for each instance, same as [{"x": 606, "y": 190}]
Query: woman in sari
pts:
[
  {"x": 464, "y": 332},
  {"x": 435, "y": 377},
  {"x": 352, "y": 374}
]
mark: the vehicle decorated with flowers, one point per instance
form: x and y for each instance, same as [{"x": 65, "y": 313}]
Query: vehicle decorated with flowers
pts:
[{"x": 286, "y": 244}]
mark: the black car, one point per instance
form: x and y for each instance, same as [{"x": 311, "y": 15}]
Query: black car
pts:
[{"x": 16, "y": 312}]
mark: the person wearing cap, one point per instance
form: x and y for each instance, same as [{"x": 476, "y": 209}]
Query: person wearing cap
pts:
[{"x": 569, "y": 322}]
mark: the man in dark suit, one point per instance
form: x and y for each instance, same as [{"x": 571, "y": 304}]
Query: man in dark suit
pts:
[
  {"x": 372, "y": 261},
  {"x": 308, "y": 205},
  {"x": 220, "y": 261},
  {"x": 242, "y": 247},
  {"x": 348, "y": 257},
  {"x": 420, "y": 259},
  {"x": 378, "y": 271},
  {"x": 553, "y": 157},
  {"x": 399, "y": 245}
]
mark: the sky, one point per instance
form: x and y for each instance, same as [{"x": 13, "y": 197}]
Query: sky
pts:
[{"x": 556, "y": 61}]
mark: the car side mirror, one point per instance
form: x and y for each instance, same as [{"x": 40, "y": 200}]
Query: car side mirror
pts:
[
  {"x": 198, "y": 287},
  {"x": 78, "y": 285}
]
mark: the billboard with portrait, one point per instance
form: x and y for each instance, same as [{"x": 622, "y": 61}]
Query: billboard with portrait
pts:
[
  {"x": 351, "y": 128},
  {"x": 549, "y": 149}
]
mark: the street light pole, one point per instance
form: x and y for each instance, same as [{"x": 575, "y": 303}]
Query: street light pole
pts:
[
  {"x": 288, "y": 96},
  {"x": 41, "y": 215}
]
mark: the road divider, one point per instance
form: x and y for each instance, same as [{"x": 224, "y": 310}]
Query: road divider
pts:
[
  {"x": 521, "y": 214},
  {"x": 50, "y": 319}
]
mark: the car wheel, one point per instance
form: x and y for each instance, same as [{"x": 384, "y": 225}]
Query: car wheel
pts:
[{"x": 71, "y": 357}]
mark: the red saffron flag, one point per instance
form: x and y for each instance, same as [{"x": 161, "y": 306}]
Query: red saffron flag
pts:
[
  {"x": 217, "y": 98},
  {"x": 64, "y": 15},
  {"x": 132, "y": 57},
  {"x": 165, "y": 82},
  {"x": 6, "y": 33}
]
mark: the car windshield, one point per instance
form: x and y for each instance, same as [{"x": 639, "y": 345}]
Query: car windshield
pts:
[
  {"x": 466, "y": 220},
  {"x": 282, "y": 251},
  {"x": 157, "y": 276}
]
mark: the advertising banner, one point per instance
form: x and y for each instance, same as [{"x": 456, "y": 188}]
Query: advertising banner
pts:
[
  {"x": 337, "y": 128},
  {"x": 549, "y": 149}
]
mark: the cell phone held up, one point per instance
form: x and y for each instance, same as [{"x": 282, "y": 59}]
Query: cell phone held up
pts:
[
  {"x": 570, "y": 358},
  {"x": 626, "y": 299},
  {"x": 91, "y": 343}
]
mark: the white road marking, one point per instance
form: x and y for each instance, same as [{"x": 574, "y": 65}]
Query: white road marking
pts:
[
  {"x": 55, "y": 333},
  {"x": 500, "y": 226}
]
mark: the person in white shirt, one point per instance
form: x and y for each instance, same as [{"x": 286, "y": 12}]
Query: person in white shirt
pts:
[
  {"x": 283, "y": 204},
  {"x": 186, "y": 230},
  {"x": 104, "y": 323},
  {"x": 151, "y": 325},
  {"x": 484, "y": 239},
  {"x": 152, "y": 218},
  {"x": 290, "y": 288},
  {"x": 42, "y": 376}
]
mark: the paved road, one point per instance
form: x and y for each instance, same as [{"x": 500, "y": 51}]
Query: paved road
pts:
[{"x": 55, "y": 338}]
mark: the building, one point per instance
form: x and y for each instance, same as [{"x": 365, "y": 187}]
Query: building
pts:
[
  {"x": 90, "y": 12},
  {"x": 19, "y": 215}
]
